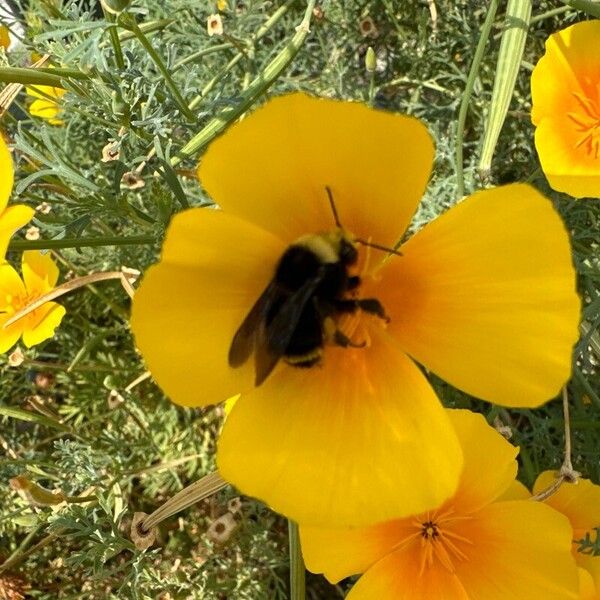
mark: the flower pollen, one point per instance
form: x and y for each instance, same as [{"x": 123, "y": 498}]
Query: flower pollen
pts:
[{"x": 439, "y": 543}]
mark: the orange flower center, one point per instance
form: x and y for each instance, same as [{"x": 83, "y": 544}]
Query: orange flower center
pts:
[
  {"x": 437, "y": 540},
  {"x": 587, "y": 120},
  {"x": 18, "y": 301}
]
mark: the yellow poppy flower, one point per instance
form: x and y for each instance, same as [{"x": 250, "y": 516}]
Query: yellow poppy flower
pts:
[
  {"x": 11, "y": 217},
  {"x": 47, "y": 103},
  {"x": 471, "y": 297},
  {"x": 580, "y": 503},
  {"x": 39, "y": 276},
  {"x": 566, "y": 110},
  {"x": 475, "y": 546}
]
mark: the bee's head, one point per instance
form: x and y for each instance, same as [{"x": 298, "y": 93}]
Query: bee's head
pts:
[{"x": 348, "y": 251}]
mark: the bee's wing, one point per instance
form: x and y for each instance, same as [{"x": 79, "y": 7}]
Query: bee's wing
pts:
[
  {"x": 245, "y": 337},
  {"x": 273, "y": 339}
]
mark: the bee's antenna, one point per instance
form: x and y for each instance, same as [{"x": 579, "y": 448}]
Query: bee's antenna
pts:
[
  {"x": 333, "y": 208},
  {"x": 378, "y": 247}
]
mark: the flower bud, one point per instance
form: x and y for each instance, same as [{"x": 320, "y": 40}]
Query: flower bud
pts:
[{"x": 370, "y": 60}]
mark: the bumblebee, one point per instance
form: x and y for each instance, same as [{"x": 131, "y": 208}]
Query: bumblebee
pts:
[{"x": 296, "y": 314}]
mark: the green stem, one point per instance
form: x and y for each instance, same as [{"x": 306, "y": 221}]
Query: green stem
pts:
[
  {"x": 587, "y": 6},
  {"x": 37, "y": 76},
  {"x": 114, "y": 40},
  {"x": 82, "y": 242},
  {"x": 199, "y": 54},
  {"x": 128, "y": 22},
  {"x": 297, "y": 577},
  {"x": 257, "y": 87},
  {"x": 464, "y": 105},
  {"x": 148, "y": 27},
  {"x": 549, "y": 13}
]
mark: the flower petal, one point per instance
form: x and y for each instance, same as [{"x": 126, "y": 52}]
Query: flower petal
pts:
[
  {"x": 40, "y": 272},
  {"x": 515, "y": 491},
  {"x": 12, "y": 219},
  {"x": 10, "y": 286},
  {"x": 565, "y": 105},
  {"x": 396, "y": 577},
  {"x": 339, "y": 553},
  {"x": 361, "y": 440},
  {"x": 589, "y": 580},
  {"x": 473, "y": 299},
  {"x": 489, "y": 461},
  {"x": 377, "y": 165},
  {"x": 46, "y": 109},
  {"x": 579, "y": 502},
  {"x": 9, "y": 335},
  {"x": 521, "y": 550},
  {"x": 213, "y": 268},
  {"x": 6, "y": 174},
  {"x": 42, "y": 322}
]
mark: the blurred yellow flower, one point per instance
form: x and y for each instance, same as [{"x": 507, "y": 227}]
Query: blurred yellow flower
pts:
[
  {"x": 39, "y": 276},
  {"x": 11, "y": 217},
  {"x": 478, "y": 545},
  {"x": 580, "y": 503},
  {"x": 470, "y": 298},
  {"x": 47, "y": 103},
  {"x": 565, "y": 90},
  {"x": 4, "y": 37}
]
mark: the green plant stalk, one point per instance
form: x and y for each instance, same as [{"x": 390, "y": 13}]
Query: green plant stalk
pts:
[
  {"x": 258, "y": 86},
  {"x": 148, "y": 27},
  {"x": 38, "y": 76},
  {"x": 464, "y": 105},
  {"x": 550, "y": 13},
  {"x": 30, "y": 417},
  {"x": 116, "y": 44},
  {"x": 587, "y": 6},
  {"x": 261, "y": 32},
  {"x": 82, "y": 242},
  {"x": 297, "y": 576},
  {"x": 516, "y": 25},
  {"x": 128, "y": 22}
]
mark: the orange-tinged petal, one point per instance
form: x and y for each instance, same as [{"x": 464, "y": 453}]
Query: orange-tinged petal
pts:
[
  {"x": 40, "y": 272},
  {"x": 361, "y": 440},
  {"x": 480, "y": 304},
  {"x": 41, "y": 323},
  {"x": 9, "y": 335},
  {"x": 579, "y": 502},
  {"x": 11, "y": 286},
  {"x": 521, "y": 551},
  {"x": 6, "y": 174},
  {"x": 12, "y": 219},
  {"x": 571, "y": 55},
  {"x": 396, "y": 577},
  {"x": 567, "y": 166},
  {"x": 339, "y": 553},
  {"x": 377, "y": 165},
  {"x": 213, "y": 268},
  {"x": 566, "y": 110},
  {"x": 489, "y": 461}
]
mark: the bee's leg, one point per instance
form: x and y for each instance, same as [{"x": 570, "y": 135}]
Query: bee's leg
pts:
[
  {"x": 341, "y": 339},
  {"x": 368, "y": 305},
  {"x": 353, "y": 282},
  {"x": 373, "y": 307},
  {"x": 334, "y": 335}
]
